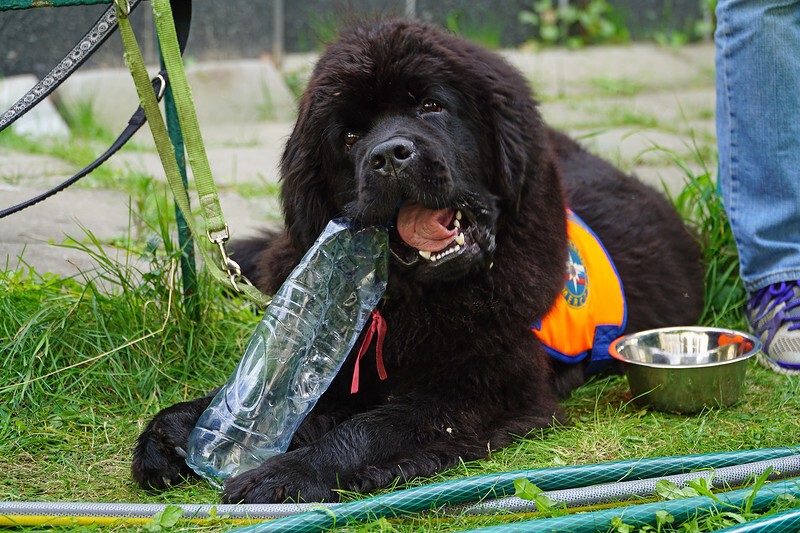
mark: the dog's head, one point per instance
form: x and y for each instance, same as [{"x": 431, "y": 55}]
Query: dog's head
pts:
[{"x": 405, "y": 125}]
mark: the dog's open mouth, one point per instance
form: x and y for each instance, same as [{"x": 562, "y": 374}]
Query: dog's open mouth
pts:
[
  {"x": 433, "y": 238},
  {"x": 435, "y": 234}
]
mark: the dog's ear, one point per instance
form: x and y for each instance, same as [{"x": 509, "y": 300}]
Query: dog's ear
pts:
[
  {"x": 305, "y": 189},
  {"x": 518, "y": 143}
]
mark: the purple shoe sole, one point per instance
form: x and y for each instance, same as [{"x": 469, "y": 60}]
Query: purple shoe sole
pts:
[{"x": 787, "y": 369}]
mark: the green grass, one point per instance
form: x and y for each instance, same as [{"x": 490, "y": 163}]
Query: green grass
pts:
[
  {"x": 89, "y": 360},
  {"x": 88, "y": 139},
  {"x": 616, "y": 86},
  {"x": 78, "y": 151},
  {"x": 78, "y": 365},
  {"x": 725, "y": 295},
  {"x": 82, "y": 122}
]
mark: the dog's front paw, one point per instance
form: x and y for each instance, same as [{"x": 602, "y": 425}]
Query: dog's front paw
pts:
[
  {"x": 159, "y": 456},
  {"x": 285, "y": 477}
]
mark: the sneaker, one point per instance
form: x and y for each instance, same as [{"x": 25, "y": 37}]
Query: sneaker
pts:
[{"x": 774, "y": 316}]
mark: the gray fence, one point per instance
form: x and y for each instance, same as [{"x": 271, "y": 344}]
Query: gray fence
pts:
[{"x": 31, "y": 41}]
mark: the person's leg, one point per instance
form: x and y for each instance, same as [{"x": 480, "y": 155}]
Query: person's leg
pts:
[{"x": 758, "y": 130}]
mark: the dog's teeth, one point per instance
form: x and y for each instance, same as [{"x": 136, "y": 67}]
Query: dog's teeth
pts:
[
  {"x": 457, "y": 223},
  {"x": 459, "y": 215},
  {"x": 444, "y": 253}
]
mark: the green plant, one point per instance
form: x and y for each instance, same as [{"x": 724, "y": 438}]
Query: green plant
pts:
[
  {"x": 261, "y": 188},
  {"x": 701, "y": 206},
  {"x": 381, "y": 525},
  {"x": 663, "y": 523},
  {"x": 559, "y": 22},
  {"x": 265, "y": 109},
  {"x": 78, "y": 151},
  {"x": 324, "y": 26},
  {"x": 616, "y": 86},
  {"x": 701, "y": 29},
  {"x": 164, "y": 520},
  {"x": 726, "y": 514},
  {"x": 528, "y": 491},
  {"x": 297, "y": 82},
  {"x": 487, "y": 31},
  {"x": 706, "y": 26},
  {"x": 151, "y": 207},
  {"x": 671, "y": 39},
  {"x": 82, "y": 122}
]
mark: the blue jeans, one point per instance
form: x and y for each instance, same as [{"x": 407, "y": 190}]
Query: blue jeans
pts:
[{"x": 758, "y": 133}]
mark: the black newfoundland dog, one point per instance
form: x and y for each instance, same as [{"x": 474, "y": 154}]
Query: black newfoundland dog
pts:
[{"x": 403, "y": 122}]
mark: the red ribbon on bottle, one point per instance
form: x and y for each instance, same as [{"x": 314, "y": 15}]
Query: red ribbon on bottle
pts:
[{"x": 378, "y": 325}]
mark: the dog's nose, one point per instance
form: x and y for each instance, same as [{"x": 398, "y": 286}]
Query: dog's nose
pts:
[{"x": 390, "y": 157}]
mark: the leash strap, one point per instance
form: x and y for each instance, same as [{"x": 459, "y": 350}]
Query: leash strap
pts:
[
  {"x": 206, "y": 190},
  {"x": 217, "y": 231},
  {"x": 134, "y": 124},
  {"x": 105, "y": 26},
  {"x": 96, "y": 36}
]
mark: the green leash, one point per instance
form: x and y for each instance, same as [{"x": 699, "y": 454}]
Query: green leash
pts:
[{"x": 227, "y": 271}]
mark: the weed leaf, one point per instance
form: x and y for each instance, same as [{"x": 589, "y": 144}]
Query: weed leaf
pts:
[
  {"x": 670, "y": 491},
  {"x": 165, "y": 519}
]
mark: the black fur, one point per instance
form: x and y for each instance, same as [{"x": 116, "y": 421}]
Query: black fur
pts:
[{"x": 466, "y": 374}]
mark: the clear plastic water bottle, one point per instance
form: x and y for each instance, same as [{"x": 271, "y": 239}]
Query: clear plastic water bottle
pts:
[{"x": 298, "y": 347}]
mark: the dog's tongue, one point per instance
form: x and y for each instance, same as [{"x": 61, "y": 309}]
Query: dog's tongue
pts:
[{"x": 425, "y": 229}]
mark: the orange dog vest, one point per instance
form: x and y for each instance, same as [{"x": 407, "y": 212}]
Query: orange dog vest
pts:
[{"x": 591, "y": 310}]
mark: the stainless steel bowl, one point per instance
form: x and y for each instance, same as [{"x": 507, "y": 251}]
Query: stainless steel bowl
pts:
[{"x": 684, "y": 369}]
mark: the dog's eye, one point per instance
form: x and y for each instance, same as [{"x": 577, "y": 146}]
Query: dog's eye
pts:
[
  {"x": 431, "y": 106},
  {"x": 350, "y": 139}
]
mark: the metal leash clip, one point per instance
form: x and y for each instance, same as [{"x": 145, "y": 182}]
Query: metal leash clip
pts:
[
  {"x": 162, "y": 85},
  {"x": 123, "y": 7},
  {"x": 230, "y": 266}
]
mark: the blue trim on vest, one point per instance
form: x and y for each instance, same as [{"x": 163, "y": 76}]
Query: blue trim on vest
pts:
[
  {"x": 570, "y": 359},
  {"x": 600, "y": 359},
  {"x": 603, "y": 337}
]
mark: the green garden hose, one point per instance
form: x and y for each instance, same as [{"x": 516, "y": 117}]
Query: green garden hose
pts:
[
  {"x": 645, "y": 514},
  {"x": 479, "y": 488},
  {"x": 776, "y": 523},
  {"x": 723, "y": 478},
  {"x": 573, "y": 485},
  {"x": 15, "y": 514}
]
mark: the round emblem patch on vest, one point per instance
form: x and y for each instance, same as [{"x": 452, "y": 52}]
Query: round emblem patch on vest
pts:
[{"x": 576, "y": 286}]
